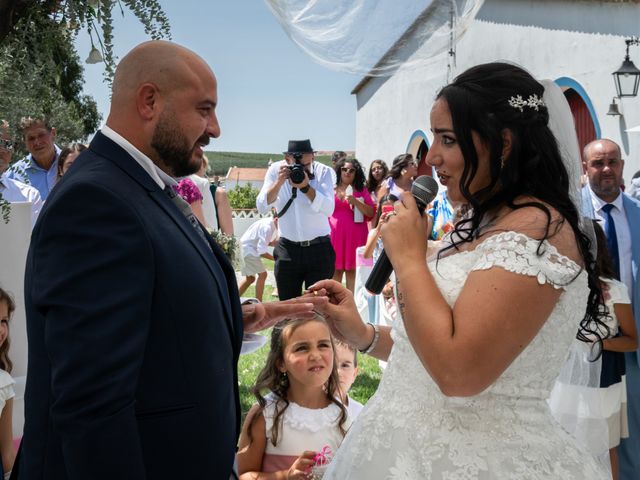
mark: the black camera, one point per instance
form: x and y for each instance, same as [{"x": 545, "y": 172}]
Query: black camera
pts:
[{"x": 296, "y": 173}]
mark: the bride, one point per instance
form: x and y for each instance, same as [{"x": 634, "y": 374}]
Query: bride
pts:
[{"x": 485, "y": 326}]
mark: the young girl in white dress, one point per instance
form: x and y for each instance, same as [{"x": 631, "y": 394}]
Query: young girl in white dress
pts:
[
  {"x": 589, "y": 399},
  {"x": 299, "y": 420},
  {"x": 7, "y": 451}
]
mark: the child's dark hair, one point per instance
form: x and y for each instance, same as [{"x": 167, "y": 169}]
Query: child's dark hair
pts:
[
  {"x": 271, "y": 378},
  {"x": 5, "y": 362},
  {"x": 389, "y": 197}
]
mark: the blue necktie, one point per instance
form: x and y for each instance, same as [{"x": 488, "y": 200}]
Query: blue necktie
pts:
[{"x": 612, "y": 239}]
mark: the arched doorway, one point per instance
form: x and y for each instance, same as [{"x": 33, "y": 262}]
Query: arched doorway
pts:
[
  {"x": 584, "y": 115},
  {"x": 418, "y": 147},
  {"x": 585, "y": 129}
]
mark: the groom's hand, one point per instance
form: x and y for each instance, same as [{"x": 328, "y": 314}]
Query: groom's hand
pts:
[{"x": 258, "y": 316}]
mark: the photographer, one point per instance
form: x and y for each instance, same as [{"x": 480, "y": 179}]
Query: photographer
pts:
[{"x": 301, "y": 191}]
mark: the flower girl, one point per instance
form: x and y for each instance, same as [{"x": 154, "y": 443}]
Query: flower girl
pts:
[{"x": 299, "y": 422}]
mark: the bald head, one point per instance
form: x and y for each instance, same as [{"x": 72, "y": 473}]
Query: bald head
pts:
[
  {"x": 163, "y": 102},
  {"x": 167, "y": 65},
  {"x": 601, "y": 143},
  {"x": 603, "y": 164}
]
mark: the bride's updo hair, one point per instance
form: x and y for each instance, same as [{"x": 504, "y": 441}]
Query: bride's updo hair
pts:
[{"x": 487, "y": 99}]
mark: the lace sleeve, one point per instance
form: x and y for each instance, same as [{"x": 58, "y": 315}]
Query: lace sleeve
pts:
[{"x": 517, "y": 253}]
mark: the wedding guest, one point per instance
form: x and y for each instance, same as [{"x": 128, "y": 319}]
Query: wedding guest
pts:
[
  {"x": 299, "y": 415},
  {"x": 347, "y": 360},
  {"x": 40, "y": 167},
  {"x": 485, "y": 326},
  {"x": 68, "y": 155},
  {"x": 12, "y": 190},
  {"x": 221, "y": 205},
  {"x": 208, "y": 206},
  {"x": 7, "y": 393},
  {"x": 595, "y": 412},
  {"x": 255, "y": 243},
  {"x": 191, "y": 194},
  {"x": 400, "y": 177},
  {"x": 378, "y": 171},
  {"x": 348, "y": 222}
]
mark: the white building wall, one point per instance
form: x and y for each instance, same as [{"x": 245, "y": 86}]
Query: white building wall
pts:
[{"x": 581, "y": 40}]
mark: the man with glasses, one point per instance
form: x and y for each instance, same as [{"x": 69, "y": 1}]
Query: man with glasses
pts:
[
  {"x": 40, "y": 168},
  {"x": 11, "y": 190},
  {"x": 301, "y": 191}
]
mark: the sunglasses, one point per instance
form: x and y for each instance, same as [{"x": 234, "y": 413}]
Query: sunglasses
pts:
[
  {"x": 348, "y": 170},
  {"x": 6, "y": 144}
]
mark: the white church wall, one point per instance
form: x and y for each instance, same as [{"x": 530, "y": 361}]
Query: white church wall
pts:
[{"x": 583, "y": 41}]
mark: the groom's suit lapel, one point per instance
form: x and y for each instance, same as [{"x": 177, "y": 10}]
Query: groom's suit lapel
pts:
[{"x": 113, "y": 152}]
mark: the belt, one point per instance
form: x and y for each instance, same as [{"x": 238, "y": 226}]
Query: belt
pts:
[{"x": 307, "y": 243}]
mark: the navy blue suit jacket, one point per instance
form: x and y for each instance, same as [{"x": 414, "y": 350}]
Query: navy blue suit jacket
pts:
[{"x": 134, "y": 331}]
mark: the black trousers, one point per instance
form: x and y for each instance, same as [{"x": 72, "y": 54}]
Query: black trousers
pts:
[{"x": 297, "y": 265}]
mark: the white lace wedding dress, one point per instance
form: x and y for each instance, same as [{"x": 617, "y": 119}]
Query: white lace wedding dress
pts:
[{"x": 410, "y": 430}]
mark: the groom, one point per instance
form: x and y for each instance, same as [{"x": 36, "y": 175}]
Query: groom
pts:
[{"x": 133, "y": 317}]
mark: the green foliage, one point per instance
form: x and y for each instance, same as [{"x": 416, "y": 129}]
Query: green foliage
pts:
[
  {"x": 40, "y": 71},
  {"x": 221, "y": 162},
  {"x": 243, "y": 196}
]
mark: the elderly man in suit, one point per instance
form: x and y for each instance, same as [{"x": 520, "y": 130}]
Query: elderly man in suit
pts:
[
  {"x": 619, "y": 215},
  {"x": 133, "y": 317}
]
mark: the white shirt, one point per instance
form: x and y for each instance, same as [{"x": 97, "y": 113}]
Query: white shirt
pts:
[
  {"x": 623, "y": 234},
  {"x": 255, "y": 241},
  {"x": 303, "y": 220},
  {"x": 158, "y": 176},
  {"x": 14, "y": 191},
  {"x": 208, "y": 206}
]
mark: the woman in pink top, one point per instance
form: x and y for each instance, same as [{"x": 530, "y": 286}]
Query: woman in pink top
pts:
[{"x": 354, "y": 208}]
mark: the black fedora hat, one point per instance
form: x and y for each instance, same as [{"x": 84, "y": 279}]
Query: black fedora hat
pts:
[{"x": 300, "y": 146}]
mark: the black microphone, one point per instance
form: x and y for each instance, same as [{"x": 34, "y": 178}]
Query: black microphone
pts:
[{"x": 424, "y": 190}]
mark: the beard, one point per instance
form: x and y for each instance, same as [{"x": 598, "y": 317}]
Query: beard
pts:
[{"x": 173, "y": 149}]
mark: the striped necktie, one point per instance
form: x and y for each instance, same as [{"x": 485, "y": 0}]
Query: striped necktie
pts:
[{"x": 612, "y": 239}]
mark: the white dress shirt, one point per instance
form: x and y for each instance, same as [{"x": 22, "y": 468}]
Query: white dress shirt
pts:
[
  {"x": 14, "y": 191},
  {"x": 255, "y": 241},
  {"x": 304, "y": 220},
  {"x": 158, "y": 176},
  {"x": 623, "y": 234},
  {"x": 208, "y": 205}
]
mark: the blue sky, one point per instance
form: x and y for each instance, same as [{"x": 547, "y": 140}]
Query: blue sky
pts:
[{"x": 269, "y": 91}]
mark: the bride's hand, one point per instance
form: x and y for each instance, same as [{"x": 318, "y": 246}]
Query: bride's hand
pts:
[
  {"x": 404, "y": 233},
  {"x": 341, "y": 313}
]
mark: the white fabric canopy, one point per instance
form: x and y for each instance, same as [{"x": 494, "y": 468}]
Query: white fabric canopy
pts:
[{"x": 374, "y": 37}]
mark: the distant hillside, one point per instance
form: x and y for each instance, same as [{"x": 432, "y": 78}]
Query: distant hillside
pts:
[{"x": 220, "y": 162}]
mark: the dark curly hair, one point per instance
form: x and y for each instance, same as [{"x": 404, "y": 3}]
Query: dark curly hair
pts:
[
  {"x": 400, "y": 163},
  {"x": 271, "y": 379},
  {"x": 359, "y": 180},
  {"x": 478, "y": 100},
  {"x": 372, "y": 183}
]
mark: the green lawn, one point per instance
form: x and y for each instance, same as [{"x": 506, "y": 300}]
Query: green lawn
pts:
[{"x": 249, "y": 366}]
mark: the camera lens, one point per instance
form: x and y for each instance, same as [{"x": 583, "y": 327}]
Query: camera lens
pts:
[{"x": 297, "y": 173}]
